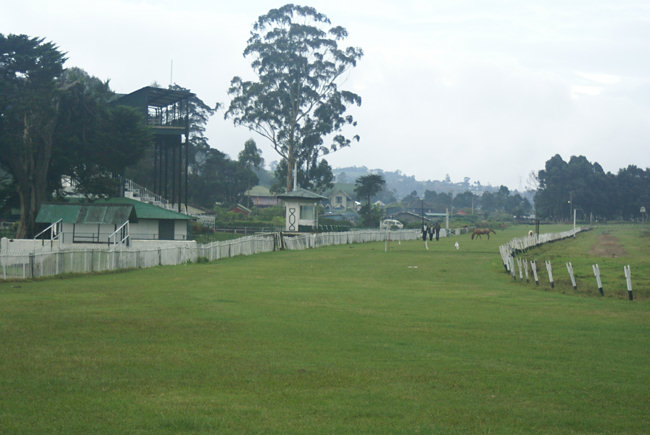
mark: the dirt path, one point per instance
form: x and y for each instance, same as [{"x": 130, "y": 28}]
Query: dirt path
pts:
[{"x": 607, "y": 246}]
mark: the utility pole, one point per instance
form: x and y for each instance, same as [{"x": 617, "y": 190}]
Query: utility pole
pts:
[{"x": 422, "y": 211}]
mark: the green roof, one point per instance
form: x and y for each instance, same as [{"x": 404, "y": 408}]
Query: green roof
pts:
[
  {"x": 105, "y": 211},
  {"x": 145, "y": 210},
  {"x": 86, "y": 213}
]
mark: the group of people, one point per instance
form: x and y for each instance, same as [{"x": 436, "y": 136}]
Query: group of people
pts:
[{"x": 430, "y": 230}]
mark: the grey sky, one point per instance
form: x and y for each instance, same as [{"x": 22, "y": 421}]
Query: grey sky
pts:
[{"x": 483, "y": 89}]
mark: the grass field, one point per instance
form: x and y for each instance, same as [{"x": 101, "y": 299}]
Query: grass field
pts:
[
  {"x": 339, "y": 339},
  {"x": 611, "y": 247}
]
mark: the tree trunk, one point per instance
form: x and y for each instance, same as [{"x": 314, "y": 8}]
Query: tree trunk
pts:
[
  {"x": 29, "y": 205},
  {"x": 290, "y": 167},
  {"x": 31, "y": 174}
]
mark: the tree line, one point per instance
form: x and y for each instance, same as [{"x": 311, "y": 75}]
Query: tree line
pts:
[{"x": 593, "y": 193}]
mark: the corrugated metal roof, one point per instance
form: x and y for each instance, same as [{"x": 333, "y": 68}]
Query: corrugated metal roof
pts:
[
  {"x": 86, "y": 213},
  {"x": 147, "y": 211},
  {"x": 153, "y": 96},
  {"x": 50, "y": 213},
  {"x": 105, "y": 214},
  {"x": 105, "y": 211},
  {"x": 301, "y": 194},
  {"x": 259, "y": 191}
]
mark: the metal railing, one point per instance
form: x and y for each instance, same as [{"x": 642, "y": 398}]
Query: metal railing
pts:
[
  {"x": 120, "y": 235},
  {"x": 54, "y": 229}
]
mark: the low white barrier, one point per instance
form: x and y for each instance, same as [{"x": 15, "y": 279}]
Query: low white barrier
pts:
[
  {"x": 307, "y": 241},
  {"x": 514, "y": 246},
  {"x": 56, "y": 260}
]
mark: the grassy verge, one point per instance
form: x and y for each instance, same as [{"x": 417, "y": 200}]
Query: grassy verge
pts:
[
  {"x": 609, "y": 246},
  {"x": 339, "y": 339}
]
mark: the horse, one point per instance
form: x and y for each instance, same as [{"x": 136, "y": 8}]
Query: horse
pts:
[{"x": 478, "y": 232}]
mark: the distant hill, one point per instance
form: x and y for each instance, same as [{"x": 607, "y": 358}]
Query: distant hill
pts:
[
  {"x": 399, "y": 184},
  {"x": 402, "y": 185}
]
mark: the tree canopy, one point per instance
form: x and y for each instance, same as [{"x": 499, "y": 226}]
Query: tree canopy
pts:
[
  {"x": 369, "y": 185},
  {"x": 57, "y": 122},
  {"x": 296, "y": 101},
  {"x": 30, "y": 69},
  {"x": 94, "y": 140},
  {"x": 584, "y": 186}
]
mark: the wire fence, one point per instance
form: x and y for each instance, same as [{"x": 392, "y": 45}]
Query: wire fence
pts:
[{"x": 62, "y": 260}]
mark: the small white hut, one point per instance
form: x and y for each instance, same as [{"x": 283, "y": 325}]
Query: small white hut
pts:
[{"x": 301, "y": 211}]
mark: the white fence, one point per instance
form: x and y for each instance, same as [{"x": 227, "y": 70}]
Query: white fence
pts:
[
  {"x": 35, "y": 263},
  {"x": 520, "y": 244},
  {"x": 307, "y": 241}
]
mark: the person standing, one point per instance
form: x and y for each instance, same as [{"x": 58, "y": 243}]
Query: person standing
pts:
[{"x": 437, "y": 231}]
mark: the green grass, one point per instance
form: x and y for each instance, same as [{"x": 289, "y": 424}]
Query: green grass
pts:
[
  {"x": 339, "y": 339},
  {"x": 630, "y": 245}
]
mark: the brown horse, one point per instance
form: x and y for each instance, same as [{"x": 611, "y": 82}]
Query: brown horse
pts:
[{"x": 478, "y": 232}]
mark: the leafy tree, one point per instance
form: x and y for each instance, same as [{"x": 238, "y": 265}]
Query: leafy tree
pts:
[
  {"x": 578, "y": 185},
  {"x": 94, "y": 140},
  {"x": 220, "y": 180},
  {"x": 438, "y": 202},
  {"x": 296, "y": 101},
  {"x": 632, "y": 190},
  {"x": 8, "y": 194},
  {"x": 590, "y": 190},
  {"x": 370, "y": 215},
  {"x": 412, "y": 201},
  {"x": 29, "y": 101},
  {"x": 251, "y": 159},
  {"x": 464, "y": 200},
  {"x": 318, "y": 177},
  {"x": 251, "y": 156},
  {"x": 552, "y": 194},
  {"x": 368, "y": 186}
]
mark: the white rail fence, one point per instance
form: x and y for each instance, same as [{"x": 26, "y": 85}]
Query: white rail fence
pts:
[
  {"x": 307, "y": 241},
  {"x": 61, "y": 260},
  {"x": 510, "y": 249}
]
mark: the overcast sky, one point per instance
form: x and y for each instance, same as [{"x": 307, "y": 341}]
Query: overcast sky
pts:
[{"x": 483, "y": 89}]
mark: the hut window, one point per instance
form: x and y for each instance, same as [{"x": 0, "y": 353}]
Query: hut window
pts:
[{"x": 307, "y": 212}]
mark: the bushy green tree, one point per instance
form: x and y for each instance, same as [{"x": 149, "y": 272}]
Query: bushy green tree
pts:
[
  {"x": 30, "y": 69},
  {"x": 220, "y": 180},
  {"x": 584, "y": 186},
  {"x": 370, "y": 216},
  {"x": 296, "y": 101},
  {"x": 94, "y": 140},
  {"x": 368, "y": 186}
]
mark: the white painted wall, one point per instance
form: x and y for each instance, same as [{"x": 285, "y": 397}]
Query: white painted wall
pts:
[
  {"x": 145, "y": 229},
  {"x": 293, "y": 219}
]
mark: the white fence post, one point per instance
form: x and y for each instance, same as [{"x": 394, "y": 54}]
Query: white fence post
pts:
[
  {"x": 596, "y": 270},
  {"x": 628, "y": 280},
  {"x": 569, "y": 267},
  {"x": 533, "y": 266},
  {"x": 526, "y": 270},
  {"x": 550, "y": 273}
]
